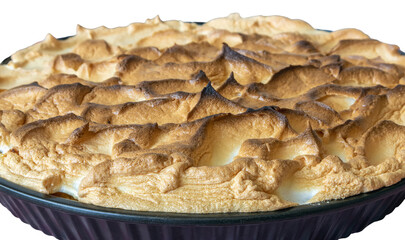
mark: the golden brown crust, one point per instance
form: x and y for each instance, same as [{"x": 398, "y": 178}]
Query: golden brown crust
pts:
[{"x": 238, "y": 114}]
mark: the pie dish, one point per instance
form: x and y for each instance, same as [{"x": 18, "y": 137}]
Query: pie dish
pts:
[{"x": 234, "y": 115}]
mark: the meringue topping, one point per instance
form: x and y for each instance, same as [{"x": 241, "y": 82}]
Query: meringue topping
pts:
[{"x": 234, "y": 115}]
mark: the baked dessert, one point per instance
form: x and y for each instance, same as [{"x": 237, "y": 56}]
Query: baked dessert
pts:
[{"x": 235, "y": 115}]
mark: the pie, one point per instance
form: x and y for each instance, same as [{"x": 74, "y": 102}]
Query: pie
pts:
[{"x": 234, "y": 115}]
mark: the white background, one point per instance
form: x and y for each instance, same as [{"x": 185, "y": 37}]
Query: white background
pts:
[{"x": 23, "y": 23}]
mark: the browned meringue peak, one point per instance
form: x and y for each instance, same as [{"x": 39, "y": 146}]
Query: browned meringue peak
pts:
[
  {"x": 299, "y": 120},
  {"x": 350, "y": 102},
  {"x": 94, "y": 49},
  {"x": 394, "y": 110},
  {"x": 339, "y": 98},
  {"x": 302, "y": 46},
  {"x": 61, "y": 78},
  {"x": 264, "y": 25},
  {"x": 148, "y": 53},
  {"x": 304, "y": 145},
  {"x": 370, "y": 49},
  {"x": 320, "y": 111},
  {"x": 323, "y": 106},
  {"x": 279, "y": 61},
  {"x": 93, "y": 71},
  {"x": 373, "y": 108},
  {"x": 294, "y": 43},
  {"x": 167, "y": 86},
  {"x": 325, "y": 41},
  {"x": 396, "y": 99},
  {"x": 328, "y": 92},
  {"x": 255, "y": 43},
  {"x": 68, "y": 62},
  {"x": 176, "y": 108},
  {"x": 171, "y": 36},
  {"x": 276, "y": 61},
  {"x": 295, "y": 80},
  {"x": 23, "y": 97},
  {"x": 134, "y": 69},
  {"x": 47, "y": 130},
  {"x": 394, "y": 69},
  {"x": 217, "y": 37},
  {"x": 243, "y": 67},
  {"x": 58, "y": 101},
  {"x": 192, "y": 52},
  {"x": 210, "y": 102},
  {"x": 11, "y": 119},
  {"x": 208, "y": 38},
  {"x": 115, "y": 94},
  {"x": 317, "y": 113},
  {"x": 367, "y": 76},
  {"x": 231, "y": 89},
  {"x": 225, "y": 146},
  {"x": 341, "y": 104},
  {"x": 143, "y": 112}
]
